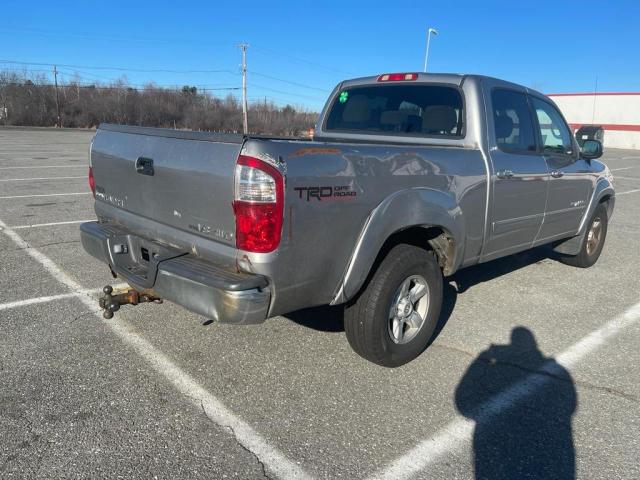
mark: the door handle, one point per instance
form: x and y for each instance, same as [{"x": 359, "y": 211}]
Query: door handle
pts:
[
  {"x": 504, "y": 174},
  {"x": 557, "y": 174},
  {"x": 144, "y": 166}
]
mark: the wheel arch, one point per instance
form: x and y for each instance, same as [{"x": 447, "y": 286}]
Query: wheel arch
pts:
[
  {"x": 608, "y": 199},
  {"x": 602, "y": 194},
  {"x": 422, "y": 217}
]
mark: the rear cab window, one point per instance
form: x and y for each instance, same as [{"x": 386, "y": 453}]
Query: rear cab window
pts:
[{"x": 418, "y": 110}]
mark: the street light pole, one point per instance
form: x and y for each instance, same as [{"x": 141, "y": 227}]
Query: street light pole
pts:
[{"x": 426, "y": 55}]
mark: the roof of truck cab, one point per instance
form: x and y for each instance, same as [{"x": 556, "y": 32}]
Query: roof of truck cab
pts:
[
  {"x": 452, "y": 78},
  {"x": 455, "y": 78}
]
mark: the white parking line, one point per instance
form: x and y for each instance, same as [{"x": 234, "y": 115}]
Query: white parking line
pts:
[
  {"x": 44, "y": 166},
  {"x": 53, "y": 298},
  {"x": 39, "y": 178},
  {"x": 45, "y": 195},
  {"x": 629, "y": 191},
  {"x": 34, "y": 301},
  {"x": 50, "y": 224},
  {"x": 270, "y": 456},
  {"x": 459, "y": 431},
  {"x": 625, "y": 178},
  {"x": 622, "y": 168}
]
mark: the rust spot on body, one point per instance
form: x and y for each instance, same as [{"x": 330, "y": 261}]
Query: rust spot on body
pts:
[{"x": 314, "y": 151}]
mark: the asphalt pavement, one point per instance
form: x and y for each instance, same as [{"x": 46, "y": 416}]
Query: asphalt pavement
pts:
[{"x": 534, "y": 371}]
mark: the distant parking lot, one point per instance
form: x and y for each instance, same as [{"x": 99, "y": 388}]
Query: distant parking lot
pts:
[{"x": 534, "y": 370}]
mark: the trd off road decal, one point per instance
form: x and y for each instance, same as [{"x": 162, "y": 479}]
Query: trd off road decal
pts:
[{"x": 341, "y": 192}]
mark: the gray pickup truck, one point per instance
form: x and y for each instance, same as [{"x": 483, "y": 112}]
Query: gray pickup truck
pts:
[{"x": 409, "y": 177}]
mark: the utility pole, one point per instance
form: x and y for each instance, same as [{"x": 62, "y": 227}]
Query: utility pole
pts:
[
  {"x": 55, "y": 79},
  {"x": 245, "y": 120}
]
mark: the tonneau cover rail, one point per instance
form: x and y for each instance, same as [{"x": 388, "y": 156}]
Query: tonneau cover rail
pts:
[{"x": 220, "y": 137}]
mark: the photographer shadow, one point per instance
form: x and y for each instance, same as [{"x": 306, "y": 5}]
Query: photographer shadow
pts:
[{"x": 526, "y": 435}]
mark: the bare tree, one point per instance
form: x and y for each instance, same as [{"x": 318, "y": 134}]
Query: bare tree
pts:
[{"x": 31, "y": 101}]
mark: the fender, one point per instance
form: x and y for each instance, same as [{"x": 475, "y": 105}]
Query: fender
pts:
[
  {"x": 413, "y": 207},
  {"x": 603, "y": 188}
]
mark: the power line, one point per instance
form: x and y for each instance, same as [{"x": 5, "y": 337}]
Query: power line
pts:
[
  {"x": 123, "y": 87},
  {"x": 324, "y": 90},
  {"x": 211, "y": 87},
  {"x": 30, "y": 70},
  {"x": 68, "y": 68},
  {"x": 128, "y": 39},
  {"x": 252, "y": 99},
  {"x": 302, "y": 60},
  {"x": 173, "y": 41},
  {"x": 123, "y": 69},
  {"x": 110, "y": 38},
  {"x": 166, "y": 87},
  {"x": 87, "y": 74},
  {"x": 81, "y": 73},
  {"x": 282, "y": 92},
  {"x": 125, "y": 84}
]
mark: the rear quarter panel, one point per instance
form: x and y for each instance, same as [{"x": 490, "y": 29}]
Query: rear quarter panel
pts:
[{"x": 331, "y": 190}]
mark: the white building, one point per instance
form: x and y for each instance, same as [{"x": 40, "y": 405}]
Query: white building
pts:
[{"x": 618, "y": 113}]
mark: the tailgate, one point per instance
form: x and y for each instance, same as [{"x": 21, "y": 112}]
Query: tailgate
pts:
[{"x": 181, "y": 179}]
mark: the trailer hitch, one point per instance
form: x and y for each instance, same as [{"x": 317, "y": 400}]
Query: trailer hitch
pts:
[{"x": 111, "y": 302}]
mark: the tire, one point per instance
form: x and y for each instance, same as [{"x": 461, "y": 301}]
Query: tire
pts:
[
  {"x": 593, "y": 240},
  {"x": 368, "y": 323}
]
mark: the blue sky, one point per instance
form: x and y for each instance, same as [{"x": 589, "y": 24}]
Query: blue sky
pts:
[{"x": 299, "y": 50}]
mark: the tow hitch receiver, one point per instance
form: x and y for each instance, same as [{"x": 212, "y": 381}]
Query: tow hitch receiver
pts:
[{"x": 111, "y": 302}]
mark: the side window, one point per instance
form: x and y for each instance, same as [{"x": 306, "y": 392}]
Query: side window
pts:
[
  {"x": 555, "y": 135},
  {"x": 513, "y": 123}
]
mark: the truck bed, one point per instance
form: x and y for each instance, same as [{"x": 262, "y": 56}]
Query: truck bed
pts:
[{"x": 222, "y": 137}]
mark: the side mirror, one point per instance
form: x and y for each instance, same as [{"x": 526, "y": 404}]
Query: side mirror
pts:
[{"x": 591, "y": 149}]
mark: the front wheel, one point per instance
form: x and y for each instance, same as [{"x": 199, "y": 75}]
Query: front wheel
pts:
[
  {"x": 593, "y": 241},
  {"x": 391, "y": 321}
]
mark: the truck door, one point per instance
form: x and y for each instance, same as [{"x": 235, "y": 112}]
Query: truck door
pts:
[
  {"x": 570, "y": 184},
  {"x": 519, "y": 176}
]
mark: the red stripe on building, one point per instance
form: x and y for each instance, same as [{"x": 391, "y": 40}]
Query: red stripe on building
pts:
[
  {"x": 611, "y": 126},
  {"x": 597, "y": 94}
]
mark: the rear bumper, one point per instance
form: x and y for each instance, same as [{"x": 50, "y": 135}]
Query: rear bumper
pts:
[{"x": 200, "y": 286}]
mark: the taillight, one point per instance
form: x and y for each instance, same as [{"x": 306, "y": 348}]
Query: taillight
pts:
[
  {"x": 92, "y": 182},
  {"x": 397, "y": 77},
  {"x": 258, "y": 204}
]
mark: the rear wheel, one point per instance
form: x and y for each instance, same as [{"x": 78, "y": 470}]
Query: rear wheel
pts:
[
  {"x": 392, "y": 320},
  {"x": 593, "y": 241}
]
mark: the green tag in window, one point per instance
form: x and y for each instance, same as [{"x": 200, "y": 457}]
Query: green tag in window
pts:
[{"x": 344, "y": 96}]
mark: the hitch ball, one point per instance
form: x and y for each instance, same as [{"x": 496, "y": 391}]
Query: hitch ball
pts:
[{"x": 111, "y": 303}]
